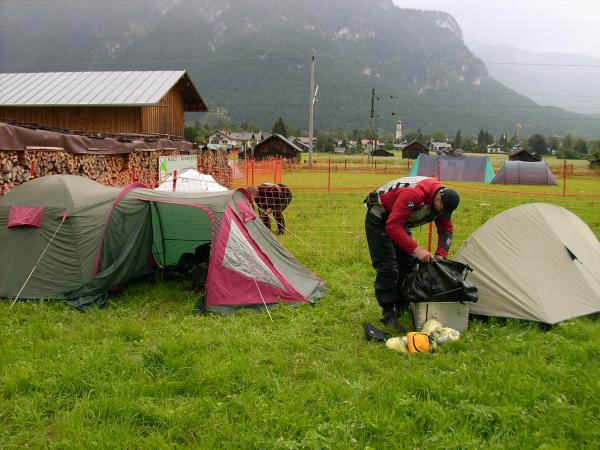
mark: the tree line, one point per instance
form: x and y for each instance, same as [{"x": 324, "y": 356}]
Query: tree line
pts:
[{"x": 565, "y": 147}]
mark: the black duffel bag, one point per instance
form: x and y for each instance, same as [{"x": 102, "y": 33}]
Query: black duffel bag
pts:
[{"x": 439, "y": 281}]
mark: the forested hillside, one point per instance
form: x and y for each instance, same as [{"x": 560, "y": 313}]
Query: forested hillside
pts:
[{"x": 250, "y": 59}]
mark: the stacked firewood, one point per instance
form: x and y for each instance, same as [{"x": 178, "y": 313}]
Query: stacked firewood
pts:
[
  {"x": 17, "y": 167},
  {"x": 214, "y": 163}
]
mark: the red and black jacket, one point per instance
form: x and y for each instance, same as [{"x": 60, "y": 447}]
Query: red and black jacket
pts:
[{"x": 410, "y": 206}]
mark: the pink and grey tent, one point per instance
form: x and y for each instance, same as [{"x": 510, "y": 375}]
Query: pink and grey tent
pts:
[
  {"x": 454, "y": 168},
  {"x": 92, "y": 238},
  {"x": 524, "y": 172}
]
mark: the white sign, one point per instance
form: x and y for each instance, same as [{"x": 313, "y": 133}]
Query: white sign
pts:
[{"x": 168, "y": 164}]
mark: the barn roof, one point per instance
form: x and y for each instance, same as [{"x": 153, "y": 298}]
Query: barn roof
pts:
[
  {"x": 129, "y": 88},
  {"x": 284, "y": 139}
]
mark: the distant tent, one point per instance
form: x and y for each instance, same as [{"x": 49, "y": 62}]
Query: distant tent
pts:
[
  {"x": 535, "y": 262},
  {"x": 98, "y": 237},
  {"x": 454, "y": 168},
  {"x": 191, "y": 181},
  {"x": 522, "y": 172}
]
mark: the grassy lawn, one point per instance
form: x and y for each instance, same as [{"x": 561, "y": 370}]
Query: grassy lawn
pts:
[{"x": 145, "y": 373}]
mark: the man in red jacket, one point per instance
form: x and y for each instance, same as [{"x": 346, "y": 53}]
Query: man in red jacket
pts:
[{"x": 392, "y": 211}]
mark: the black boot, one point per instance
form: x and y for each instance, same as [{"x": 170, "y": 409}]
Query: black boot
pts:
[{"x": 390, "y": 319}]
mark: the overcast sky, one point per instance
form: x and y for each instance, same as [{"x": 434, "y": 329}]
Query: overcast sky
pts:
[{"x": 571, "y": 26}]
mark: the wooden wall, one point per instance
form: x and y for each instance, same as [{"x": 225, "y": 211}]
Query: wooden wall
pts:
[
  {"x": 107, "y": 119},
  {"x": 275, "y": 147},
  {"x": 167, "y": 117}
]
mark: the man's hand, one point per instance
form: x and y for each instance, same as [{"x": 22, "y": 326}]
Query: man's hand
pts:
[
  {"x": 439, "y": 257},
  {"x": 423, "y": 255}
]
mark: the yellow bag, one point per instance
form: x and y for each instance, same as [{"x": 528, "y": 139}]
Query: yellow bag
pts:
[{"x": 417, "y": 342}]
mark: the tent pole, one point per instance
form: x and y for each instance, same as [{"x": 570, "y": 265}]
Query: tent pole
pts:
[{"x": 38, "y": 261}]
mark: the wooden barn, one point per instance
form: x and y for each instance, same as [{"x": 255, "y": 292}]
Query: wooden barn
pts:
[
  {"x": 413, "y": 149},
  {"x": 277, "y": 145},
  {"x": 140, "y": 102},
  {"x": 520, "y": 154}
]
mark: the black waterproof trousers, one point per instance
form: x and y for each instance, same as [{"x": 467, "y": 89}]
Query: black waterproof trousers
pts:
[{"x": 391, "y": 263}]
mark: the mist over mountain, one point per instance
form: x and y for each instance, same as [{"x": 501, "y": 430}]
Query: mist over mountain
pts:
[
  {"x": 566, "y": 80},
  {"x": 250, "y": 59}
]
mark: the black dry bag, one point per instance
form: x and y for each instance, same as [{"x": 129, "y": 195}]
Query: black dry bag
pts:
[{"x": 439, "y": 281}]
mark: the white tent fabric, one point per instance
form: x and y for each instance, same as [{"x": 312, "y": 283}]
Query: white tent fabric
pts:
[
  {"x": 535, "y": 262},
  {"x": 236, "y": 173},
  {"x": 191, "y": 181}
]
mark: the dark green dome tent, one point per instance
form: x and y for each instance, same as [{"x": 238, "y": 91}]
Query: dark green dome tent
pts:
[{"x": 90, "y": 238}]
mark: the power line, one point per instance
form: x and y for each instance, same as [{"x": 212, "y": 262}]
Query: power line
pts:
[
  {"x": 595, "y": 66},
  {"x": 380, "y": 58},
  {"x": 412, "y": 89}
]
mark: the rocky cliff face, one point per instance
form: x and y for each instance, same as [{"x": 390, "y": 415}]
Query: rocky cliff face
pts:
[{"x": 250, "y": 59}]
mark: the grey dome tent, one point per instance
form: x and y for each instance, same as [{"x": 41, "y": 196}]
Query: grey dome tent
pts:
[
  {"x": 523, "y": 172},
  {"x": 84, "y": 239},
  {"x": 535, "y": 262},
  {"x": 454, "y": 168}
]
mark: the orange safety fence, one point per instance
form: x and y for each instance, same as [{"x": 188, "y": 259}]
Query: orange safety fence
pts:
[{"x": 325, "y": 219}]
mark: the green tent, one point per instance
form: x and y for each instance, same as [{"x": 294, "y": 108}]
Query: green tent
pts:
[
  {"x": 454, "y": 168},
  {"x": 87, "y": 238}
]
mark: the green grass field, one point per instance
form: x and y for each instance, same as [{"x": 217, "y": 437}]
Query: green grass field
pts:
[{"x": 145, "y": 373}]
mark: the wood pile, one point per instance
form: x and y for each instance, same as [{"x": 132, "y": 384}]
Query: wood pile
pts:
[
  {"x": 20, "y": 166},
  {"x": 214, "y": 163}
]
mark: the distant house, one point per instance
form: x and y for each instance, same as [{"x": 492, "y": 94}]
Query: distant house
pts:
[
  {"x": 118, "y": 102},
  {"x": 413, "y": 149},
  {"x": 241, "y": 140},
  {"x": 302, "y": 143},
  {"x": 339, "y": 150},
  {"x": 520, "y": 154},
  {"x": 441, "y": 148},
  {"x": 221, "y": 138},
  {"x": 276, "y": 145},
  {"x": 494, "y": 148}
]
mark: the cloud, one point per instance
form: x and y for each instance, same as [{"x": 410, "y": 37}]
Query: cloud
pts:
[{"x": 537, "y": 25}]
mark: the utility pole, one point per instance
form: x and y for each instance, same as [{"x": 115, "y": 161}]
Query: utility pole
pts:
[
  {"x": 372, "y": 127},
  {"x": 313, "y": 97}
]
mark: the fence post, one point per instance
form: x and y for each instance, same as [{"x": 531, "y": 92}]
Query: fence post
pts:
[
  {"x": 430, "y": 232},
  {"x": 329, "y": 175},
  {"x": 564, "y": 177},
  {"x": 174, "y": 180},
  {"x": 252, "y": 171},
  {"x": 32, "y": 169},
  {"x": 275, "y": 170}
]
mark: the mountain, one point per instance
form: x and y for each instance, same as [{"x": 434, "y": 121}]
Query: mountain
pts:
[
  {"x": 250, "y": 59},
  {"x": 565, "y": 80}
]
